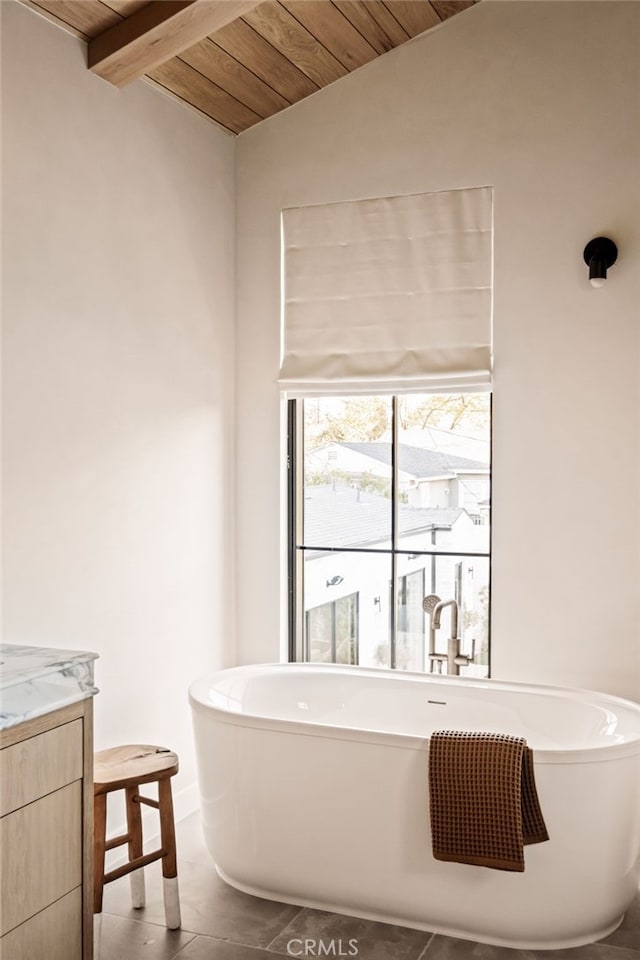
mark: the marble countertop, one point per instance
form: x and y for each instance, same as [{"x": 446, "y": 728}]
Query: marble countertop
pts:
[{"x": 37, "y": 680}]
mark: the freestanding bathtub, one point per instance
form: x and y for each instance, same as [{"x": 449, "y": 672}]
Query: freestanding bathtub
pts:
[{"x": 313, "y": 781}]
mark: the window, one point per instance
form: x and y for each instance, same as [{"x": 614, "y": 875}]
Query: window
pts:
[{"x": 389, "y": 502}]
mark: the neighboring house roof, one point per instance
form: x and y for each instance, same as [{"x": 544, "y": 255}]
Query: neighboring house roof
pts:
[
  {"x": 345, "y": 517},
  {"x": 417, "y": 461}
]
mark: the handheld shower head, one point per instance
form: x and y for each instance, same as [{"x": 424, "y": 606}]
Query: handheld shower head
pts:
[{"x": 430, "y": 603}]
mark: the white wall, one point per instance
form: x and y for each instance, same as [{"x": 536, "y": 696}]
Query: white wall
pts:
[
  {"x": 541, "y": 101},
  {"x": 118, "y": 269},
  {"x": 118, "y": 303}
]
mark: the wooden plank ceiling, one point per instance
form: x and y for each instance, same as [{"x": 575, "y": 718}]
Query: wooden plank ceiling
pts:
[{"x": 240, "y": 61}]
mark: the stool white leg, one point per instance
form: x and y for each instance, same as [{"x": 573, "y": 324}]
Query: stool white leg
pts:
[
  {"x": 169, "y": 861},
  {"x": 97, "y": 935},
  {"x": 136, "y": 879},
  {"x": 171, "y": 902},
  {"x": 134, "y": 825}
]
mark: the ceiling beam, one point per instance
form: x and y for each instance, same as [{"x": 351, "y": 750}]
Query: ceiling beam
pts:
[{"x": 156, "y": 33}]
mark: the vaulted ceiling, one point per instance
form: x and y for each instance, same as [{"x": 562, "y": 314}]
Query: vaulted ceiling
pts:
[{"x": 240, "y": 61}]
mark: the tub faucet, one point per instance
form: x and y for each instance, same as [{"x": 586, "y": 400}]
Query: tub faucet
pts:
[
  {"x": 435, "y": 659},
  {"x": 454, "y": 657}
]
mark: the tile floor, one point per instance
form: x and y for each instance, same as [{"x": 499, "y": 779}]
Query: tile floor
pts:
[{"x": 220, "y": 923}]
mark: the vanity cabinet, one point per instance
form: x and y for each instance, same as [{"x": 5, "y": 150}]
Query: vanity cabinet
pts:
[{"x": 46, "y": 823}]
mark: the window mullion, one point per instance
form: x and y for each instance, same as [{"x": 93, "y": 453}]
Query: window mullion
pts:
[
  {"x": 295, "y": 504},
  {"x": 393, "y": 620}
]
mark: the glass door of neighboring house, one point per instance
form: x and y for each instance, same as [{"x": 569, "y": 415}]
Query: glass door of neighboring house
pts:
[{"x": 332, "y": 631}]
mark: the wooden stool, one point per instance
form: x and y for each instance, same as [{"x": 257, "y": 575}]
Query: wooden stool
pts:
[{"x": 125, "y": 768}]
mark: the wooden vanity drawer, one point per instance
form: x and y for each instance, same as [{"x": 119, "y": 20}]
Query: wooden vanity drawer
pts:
[
  {"x": 53, "y": 934},
  {"x": 41, "y": 847},
  {"x": 38, "y": 766}
]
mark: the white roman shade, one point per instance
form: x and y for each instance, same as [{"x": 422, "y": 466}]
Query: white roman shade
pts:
[{"x": 388, "y": 294}]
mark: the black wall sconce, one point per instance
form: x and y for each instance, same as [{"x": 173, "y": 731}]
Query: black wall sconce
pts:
[
  {"x": 334, "y": 581},
  {"x": 599, "y": 254}
]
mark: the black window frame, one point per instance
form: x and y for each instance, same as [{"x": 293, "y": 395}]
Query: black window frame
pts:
[{"x": 295, "y": 551}]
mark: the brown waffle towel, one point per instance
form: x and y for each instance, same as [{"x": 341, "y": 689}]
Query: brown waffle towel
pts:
[{"x": 483, "y": 800}]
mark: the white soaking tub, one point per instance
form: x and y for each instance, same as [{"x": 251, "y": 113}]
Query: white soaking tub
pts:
[{"x": 313, "y": 780}]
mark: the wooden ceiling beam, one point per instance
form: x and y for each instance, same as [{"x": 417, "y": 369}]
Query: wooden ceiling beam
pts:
[{"x": 156, "y": 33}]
